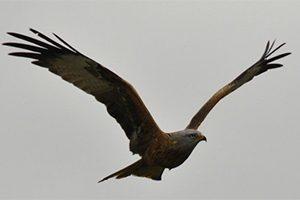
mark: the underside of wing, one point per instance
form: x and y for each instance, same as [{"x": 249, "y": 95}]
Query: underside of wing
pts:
[
  {"x": 262, "y": 65},
  {"x": 122, "y": 101}
]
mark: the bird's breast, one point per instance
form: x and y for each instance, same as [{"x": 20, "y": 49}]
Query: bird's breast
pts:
[{"x": 164, "y": 151}]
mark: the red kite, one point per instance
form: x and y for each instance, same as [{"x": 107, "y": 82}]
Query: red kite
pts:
[{"x": 158, "y": 149}]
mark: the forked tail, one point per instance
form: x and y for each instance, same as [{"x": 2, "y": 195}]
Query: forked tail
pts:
[{"x": 139, "y": 168}]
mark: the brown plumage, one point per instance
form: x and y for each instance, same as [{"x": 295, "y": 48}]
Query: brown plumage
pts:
[{"x": 158, "y": 150}]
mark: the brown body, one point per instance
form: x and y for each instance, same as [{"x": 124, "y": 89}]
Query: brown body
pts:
[
  {"x": 166, "y": 150},
  {"x": 158, "y": 150},
  {"x": 163, "y": 151}
]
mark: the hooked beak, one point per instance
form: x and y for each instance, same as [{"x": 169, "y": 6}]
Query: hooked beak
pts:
[{"x": 202, "y": 138}]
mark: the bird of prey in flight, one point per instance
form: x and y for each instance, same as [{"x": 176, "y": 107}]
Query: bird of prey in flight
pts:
[{"x": 158, "y": 149}]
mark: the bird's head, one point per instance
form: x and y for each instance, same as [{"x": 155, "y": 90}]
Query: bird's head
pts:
[
  {"x": 184, "y": 142},
  {"x": 188, "y": 138},
  {"x": 194, "y": 135}
]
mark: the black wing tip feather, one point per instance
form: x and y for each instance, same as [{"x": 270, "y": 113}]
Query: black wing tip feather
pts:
[
  {"x": 104, "y": 179},
  {"x": 26, "y": 54},
  {"x": 266, "y": 62},
  {"x": 46, "y": 42},
  {"x": 6, "y": 43},
  {"x": 34, "y": 31},
  {"x": 269, "y": 51},
  {"x": 68, "y": 45},
  {"x": 14, "y": 34}
]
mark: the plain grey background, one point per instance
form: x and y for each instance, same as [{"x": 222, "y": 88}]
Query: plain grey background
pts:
[{"x": 57, "y": 142}]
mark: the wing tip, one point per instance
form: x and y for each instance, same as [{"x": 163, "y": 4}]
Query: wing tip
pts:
[
  {"x": 34, "y": 31},
  {"x": 11, "y": 33},
  {"x": 102, "y": 180},
  {"x": 6, "y": 43}
]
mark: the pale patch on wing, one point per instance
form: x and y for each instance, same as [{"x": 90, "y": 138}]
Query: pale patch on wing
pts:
[{"x": 73, "y": 68}]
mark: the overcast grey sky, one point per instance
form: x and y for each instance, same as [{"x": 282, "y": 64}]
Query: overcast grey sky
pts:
[{"x": 57, "y": 142}]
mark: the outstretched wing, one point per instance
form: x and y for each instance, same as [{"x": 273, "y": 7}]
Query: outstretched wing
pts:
[
  {"x": 122, "y": 101},
  {"x": 261, "y": 66}
]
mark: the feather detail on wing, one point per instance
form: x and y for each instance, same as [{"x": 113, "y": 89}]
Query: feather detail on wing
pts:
[
  {"x": 122, "y": 101},
  {"x": 261, "y": 66}
]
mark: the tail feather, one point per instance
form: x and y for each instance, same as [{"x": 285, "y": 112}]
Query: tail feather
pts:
[{"x": 139, "y": 168}]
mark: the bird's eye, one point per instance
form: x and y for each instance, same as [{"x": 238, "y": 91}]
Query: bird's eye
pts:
[{"x": 192, "y": 135}]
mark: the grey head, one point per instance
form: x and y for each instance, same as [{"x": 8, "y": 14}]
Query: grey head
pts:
[
  {"x": 189, "y": 136},
  {"x": 187, "y": 139},
  {"x": 183, "y": 143}
]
